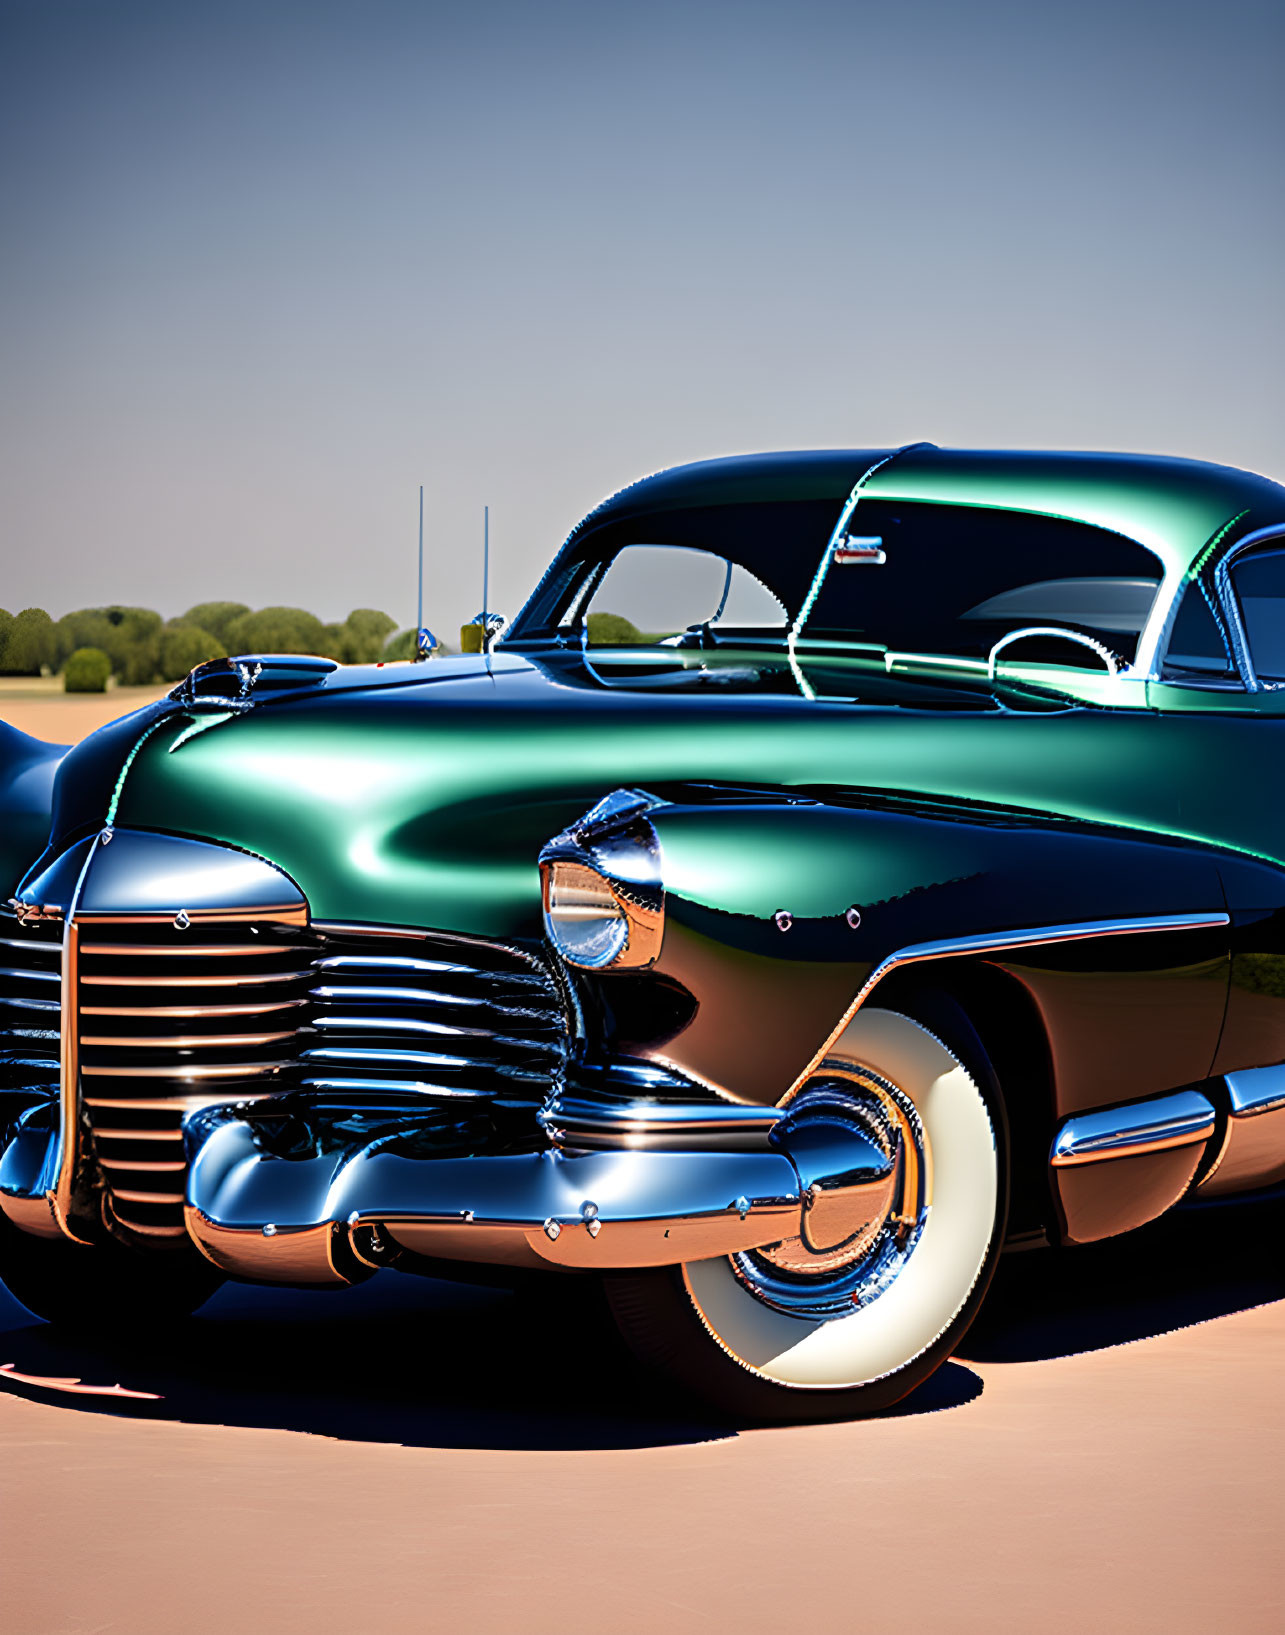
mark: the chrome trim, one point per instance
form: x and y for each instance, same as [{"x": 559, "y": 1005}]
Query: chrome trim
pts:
[
  {"x": 278, "y": 914},
  {"x": 29, "y": 976},
  {"x": 172, "y": 1104},
  {"x": 398, "y": 1024},
  {"x": 1256, "y": 1090},
  {"x": 136, "y": 874},
  {"x": 1156, "y": 1125},
  {"x": 180, "y": 1041},
  {"x": 135, "y": 1135},
  {"x": 159, "y": 951},
  {"x": 146, "y": 1231},
  {"x": 1104, "y": 653},
  {"x": 68, "y": 1191},
  {"x": 239, "y": 981},
  {"x": 191, "y": 1010},
  {"x": 26, "y": 944},
  {"x": 409, "y": 996},
  {"x": 581, "y": 1121},
  {"x": 396, "y": 1087},
  {"x": 392, "y": 962},
  {"x": 837, "y": 536},
  {"x": 367, "y": 928},
  {"x": 188, "y": 1070},
  {"x": 867, "y": 1186},
  {"x": 1001, "y": 941},
  {"x": 149, "y": 1164},
  {"x": 410, "y": 1058},
  {"x": 616, "y": 844},
  {"x": 1231, "y": 607}
]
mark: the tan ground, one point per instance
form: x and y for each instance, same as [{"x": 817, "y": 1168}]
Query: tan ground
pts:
[
  {"x": 416, "y": 1456},
  {"x": 1106, "y": 1455},
  {"x": 41, "y": 708}
]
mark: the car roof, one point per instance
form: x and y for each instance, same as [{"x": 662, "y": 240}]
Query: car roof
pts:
[{"x": 1174, "y": 507}]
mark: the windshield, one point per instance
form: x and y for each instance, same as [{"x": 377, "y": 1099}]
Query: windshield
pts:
[{"x": 919, "y": 578}]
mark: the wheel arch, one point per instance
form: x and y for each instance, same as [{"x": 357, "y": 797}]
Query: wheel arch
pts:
[{"x": 1011, "y": 1034}]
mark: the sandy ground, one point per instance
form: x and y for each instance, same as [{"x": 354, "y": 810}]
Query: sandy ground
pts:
[
  {"x": 65, "y": 718},
  {"x": 1107, "y": 1453}
]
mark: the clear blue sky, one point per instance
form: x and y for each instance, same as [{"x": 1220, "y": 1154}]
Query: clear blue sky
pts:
[{"x": 268, "y": 266}]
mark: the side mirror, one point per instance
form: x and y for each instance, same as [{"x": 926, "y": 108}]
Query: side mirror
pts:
[{"x": 425, "y": 644}]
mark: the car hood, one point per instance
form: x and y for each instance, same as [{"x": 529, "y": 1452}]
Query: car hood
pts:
[{"x": 422, "y": 796}]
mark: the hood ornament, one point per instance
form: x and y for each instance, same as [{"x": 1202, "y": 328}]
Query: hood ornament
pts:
[{"x": 237, "y": 684}]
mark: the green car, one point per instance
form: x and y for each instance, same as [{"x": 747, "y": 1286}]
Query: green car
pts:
[{"x": 848, "y": 865}]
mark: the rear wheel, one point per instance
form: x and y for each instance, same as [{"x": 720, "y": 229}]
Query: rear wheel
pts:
[
  {"x": 843, "y": 1327},
  {"x": 76, "y": 1286}
]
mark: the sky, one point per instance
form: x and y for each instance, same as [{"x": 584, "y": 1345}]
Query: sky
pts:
[{"x": 267, "y": 267}]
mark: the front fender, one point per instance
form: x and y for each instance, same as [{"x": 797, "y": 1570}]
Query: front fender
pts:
[
  {"x": 761, "y": 942},
  {"x": 27, "y": 769}
]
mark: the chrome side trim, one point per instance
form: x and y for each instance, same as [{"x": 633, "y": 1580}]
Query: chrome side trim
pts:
[
  {"x": 992, "y": 942},
  {"x": 1230, "y": 606},
  {"x": 1155, "y": 1125},
  {"x": 1257, "y": 1090}
]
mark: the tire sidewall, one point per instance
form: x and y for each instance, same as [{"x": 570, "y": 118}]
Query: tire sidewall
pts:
[{"x": 661, "y": 1318}]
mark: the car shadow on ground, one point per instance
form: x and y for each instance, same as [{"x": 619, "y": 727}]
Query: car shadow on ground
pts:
[
  {"x": 431, "y": 1364},
  {"x": 1193, "y": 1265}
]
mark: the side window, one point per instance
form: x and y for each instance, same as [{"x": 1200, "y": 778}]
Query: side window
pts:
[
  {"x": 1259, "y": 584},
  {"x": 653, "y": 593},
  {"x": 1197, "y": 651}
]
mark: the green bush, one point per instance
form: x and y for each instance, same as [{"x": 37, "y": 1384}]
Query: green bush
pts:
[
  {"x": 184, "y": 646},
  {"x": 88, "y": 627},
  {"x": 400, "y": 646},
  {"x": 31, "y": 645},
  {"x": 6, "y": 625},
  {"x": 86, "y": 671},
  {"x": 130, "y": 636},
  {"x": 216, "y": 617},
  {"x": 365, "y": 631},
  {"x": 612, "y": 630},
  {"x": 276, "y": 630}
]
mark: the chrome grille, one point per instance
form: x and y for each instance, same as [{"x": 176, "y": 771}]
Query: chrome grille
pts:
[
  {"x": 171, "y": 1020},
  {"x": 30, "y": 998},
  {"x": 432, "y": 1015}
]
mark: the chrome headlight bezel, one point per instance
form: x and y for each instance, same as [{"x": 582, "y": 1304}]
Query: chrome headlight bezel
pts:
[{"x": 602, "y": 888}]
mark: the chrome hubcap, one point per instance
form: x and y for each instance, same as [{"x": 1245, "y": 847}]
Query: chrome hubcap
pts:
[{"x": 858, "y": 1144}]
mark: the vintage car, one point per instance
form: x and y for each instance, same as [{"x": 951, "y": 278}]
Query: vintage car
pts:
[{"x": 848, "y": 865}]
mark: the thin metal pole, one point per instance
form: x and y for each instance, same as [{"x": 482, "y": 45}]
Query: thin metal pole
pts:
[
  {"x": 486, "y": 562},
  {"x": 419, "y": 605}
]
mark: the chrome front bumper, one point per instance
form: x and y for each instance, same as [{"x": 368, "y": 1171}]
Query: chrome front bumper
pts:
[
  {"x": 300, "y": 1221},
  {"x": 325, "y": 1218}
]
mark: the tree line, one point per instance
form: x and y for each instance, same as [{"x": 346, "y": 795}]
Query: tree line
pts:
[{"x": 139, "y": 648}]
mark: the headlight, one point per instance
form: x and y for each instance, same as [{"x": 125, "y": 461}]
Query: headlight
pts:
[
  {"x": 603, "y": 898},
  {"x": 585, "y": 922}
]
